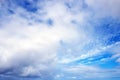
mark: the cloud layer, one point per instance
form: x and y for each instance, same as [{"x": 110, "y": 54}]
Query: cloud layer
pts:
[{"x": 59, "y": 40}]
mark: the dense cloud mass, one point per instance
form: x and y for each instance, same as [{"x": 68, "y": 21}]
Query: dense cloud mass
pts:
[{"x": 59, "y": 39}]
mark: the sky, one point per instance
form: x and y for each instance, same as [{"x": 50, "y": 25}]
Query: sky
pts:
[{"x": 59, "y": 39}]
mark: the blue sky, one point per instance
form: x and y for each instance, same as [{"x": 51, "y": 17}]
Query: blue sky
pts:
[{"x": 59, "y": 40}]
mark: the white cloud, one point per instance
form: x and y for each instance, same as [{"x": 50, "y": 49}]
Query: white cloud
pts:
[
  {"x": 32, "y": 45},
  {"x": 114, "y": 48},
  {"x": 22, "y": 43},
  {"x": 116, "y": 52},
  {"x": 87, "y": 72},
  {"x": 105, "y": 8}
]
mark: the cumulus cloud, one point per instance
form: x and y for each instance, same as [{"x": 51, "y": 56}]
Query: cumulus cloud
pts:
[
  {"x": 26, "y": 42},
  {"x": 40, "y": 38}
]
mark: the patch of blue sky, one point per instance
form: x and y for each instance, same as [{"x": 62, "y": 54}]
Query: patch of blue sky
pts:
[
  {"x": 103, "y": 60},
  {"x": 113, "y": 39},
  {"x": 106, "y": 30},
  {"x": 110, "y": 64},
  {"x": 107, "y": 26},
  {"x": 28, "y": 5}
]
